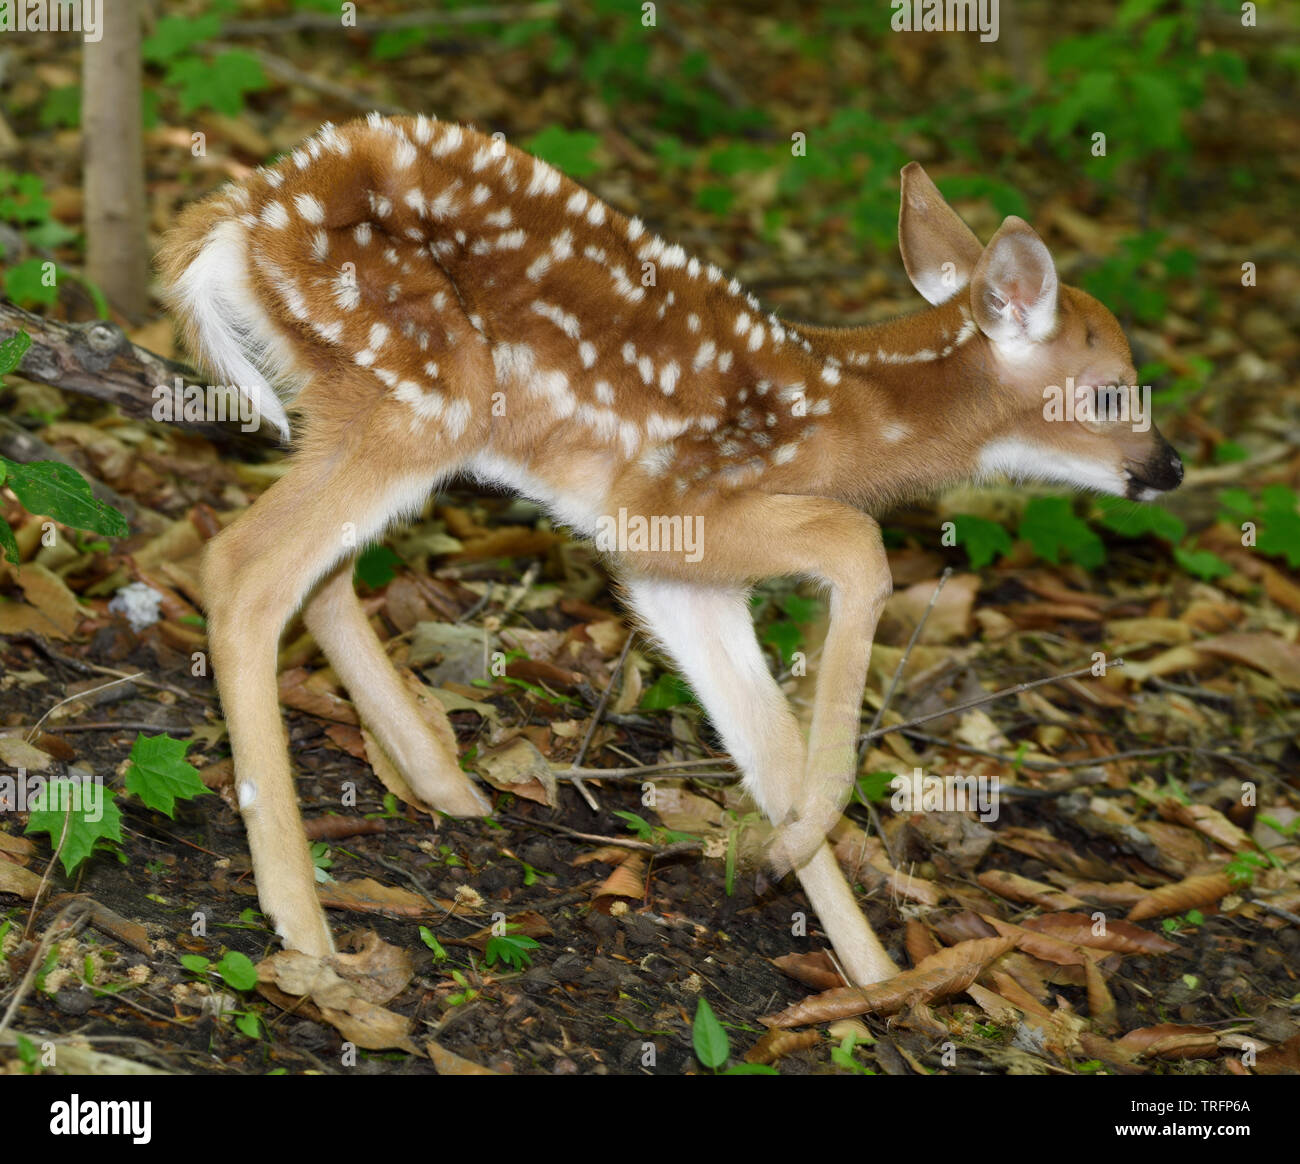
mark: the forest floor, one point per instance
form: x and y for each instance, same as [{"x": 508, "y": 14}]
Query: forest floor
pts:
[{"x": 1132, "y": 905}]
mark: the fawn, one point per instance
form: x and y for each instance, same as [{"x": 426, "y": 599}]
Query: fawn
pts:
[{"x": 430, "y": 301}]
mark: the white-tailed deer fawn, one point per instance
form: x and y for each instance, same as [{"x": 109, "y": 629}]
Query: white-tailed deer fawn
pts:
[{"x": 429, "y": 300}]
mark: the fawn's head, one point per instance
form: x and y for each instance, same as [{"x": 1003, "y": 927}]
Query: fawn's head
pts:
[{"x": 1060, "y": 372}]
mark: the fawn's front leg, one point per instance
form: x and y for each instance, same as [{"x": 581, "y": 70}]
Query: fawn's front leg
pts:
[
  {"x": 705, "y": 626},
  {"x": 860, "y": 585}
]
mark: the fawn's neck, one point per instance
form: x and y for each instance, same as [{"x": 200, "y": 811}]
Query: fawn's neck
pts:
[{"x": 915, "y": 404}]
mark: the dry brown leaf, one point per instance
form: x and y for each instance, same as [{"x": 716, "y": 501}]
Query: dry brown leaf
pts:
[
  {"x": 815, "y": 969},
  {"x": 1208, "y": 821},
  {"x": 1117, "y": 893},
  {"x": 1171, "y": 1041},
  {"x": 948, "y": 972},
  {"x": 948, "y": 621},
  {"x": 1010, "y": 988},
  {"x": 1049, "y": 849},
  {"x": 449, "y": 1063},
  {"x": 628, "y": 880},
  {"x": 1001, "y": 1010},
  {"x": 19, "y": 850},
  {"x": 51, "y": 595},
  {"x": 338, "y": 1001},
  {"x": 1080, "y": 929},
  {"x": 1028, "y": 972},
  {"x": 1044, "y": 946},
  {"x": 297, "y": 691},
  {"x": 1016, "y": 888},
  {"x": 606, "y": 855},
  {"x": 379, "y": 971},
  {"x": 856, "y": 852},
  {"x": 15, "y": 752},
  {"x": 778, "y": 1044},
  {"x": 365, "y": 895},
  {"x": 1280, "y": 1060},
  {"x": 919, "y": 942},
  {"x": 1190, "y": 893},
  {"x": 19, "y": 881},
  {"x": 518, "y": 766},
  {"x": 1101, "y": 1003},
  {"x": 1266, "y": 652}
]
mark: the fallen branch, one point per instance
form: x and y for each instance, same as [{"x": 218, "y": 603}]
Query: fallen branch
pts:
[{"x": 96, "y": 359}]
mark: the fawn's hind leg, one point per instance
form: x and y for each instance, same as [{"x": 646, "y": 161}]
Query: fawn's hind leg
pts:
[
  {"x": 345, "y": 488},
  {"x": 425, "y": 757}
]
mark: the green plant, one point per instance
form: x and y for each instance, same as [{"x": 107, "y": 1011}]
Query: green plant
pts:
[
  {"x": 512, "y": 949},
  {"x": 713, "y": 1047},
  {"x": 667, "y": 691},
  {"x": 50, "y": 488},
  {"x": 842, "y": 1054},
  {"x": 1049, "y": 525},
  {"x": 1174, "y": 925},
  {"x": 428, "y": 938},
  {"x": 467, "y": 993},
  {"x": 220, "y": 81},
  {"x": 652, "y": 834},
  {"x": 83, "y": 821},
  {"x": 322, "y": 861},
  {"x": 1275, "y": 510},
  {"x": 159, "y": 774}
]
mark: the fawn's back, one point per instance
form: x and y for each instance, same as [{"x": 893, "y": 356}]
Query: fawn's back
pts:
[{"x": 491, "y": 305}]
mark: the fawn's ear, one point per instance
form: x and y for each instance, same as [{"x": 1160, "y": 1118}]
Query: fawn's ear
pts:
[
  {"x": 939, "y": 250},
  {"x": 1014, "y": 288}
]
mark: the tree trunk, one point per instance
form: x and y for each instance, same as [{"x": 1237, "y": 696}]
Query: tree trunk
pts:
[{"x": 117, "y": 247}]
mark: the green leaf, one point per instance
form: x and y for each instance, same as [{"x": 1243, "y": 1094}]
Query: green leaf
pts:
[
  {"x": 12, "y": 351},
  {"x": 785, "y": 637},
  {"x": 1051, "y": 527},
  {"x": 711, "y": 1043},
  {"x": 983, "y": 540},
  {"x": 7, "y": 541},
  {"x": 638, "y": 824},
  {"x": 667, "y": 691},
  {"x": 876, "y": 786},
  {"x": 397, "y": 42},
  {"x": 159, "y": 774},
  {"x": 248, "y": 1024},
  {"x": 800, "y": 609},
  {"x": 219, "y": 84},
  {"x": 1229, "y": 452},
  {"x": 1134, "y": 520},
  {"x": 376, "y": 566},
  {"x": 48, "y": 816},
  {"x": 237, "y": 971},
  {"x": 25, "y": 284},
  {"x": 53, "y": 489},
  {"x": 174, "y": 36},
  {"x": 567, "y": 150},
  {"x": 1201, "y": 564},
  {"x": 195, "y": 963},
  {"x": 61, "y": 108}
]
